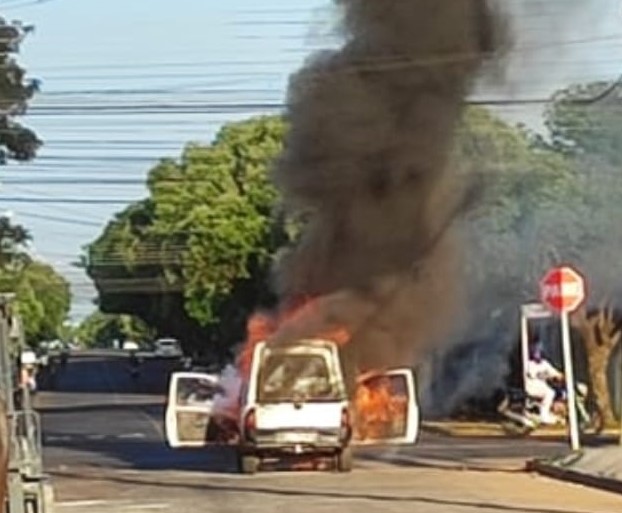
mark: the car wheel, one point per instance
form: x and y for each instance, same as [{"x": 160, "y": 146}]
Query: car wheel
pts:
[
  {"x": 344, "y": 460},
  {"x": 248, "y": 463}
]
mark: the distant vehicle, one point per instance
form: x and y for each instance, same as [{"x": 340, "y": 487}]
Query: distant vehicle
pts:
[
  {"x": 294, "y": 402},
  {"x": 168, "y": 348},
  {"x": 130, "y": 345}
]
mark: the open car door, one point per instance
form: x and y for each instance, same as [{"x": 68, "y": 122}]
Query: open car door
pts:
[
  {"x": 386, "y": 410},
  {"x": 189, "y": 408}
]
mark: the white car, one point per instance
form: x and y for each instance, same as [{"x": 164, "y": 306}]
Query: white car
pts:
[
  {"x": 168, "y": 348},
  {"x": 130, "y": 346},
  {"x": 294, "y": 402}
]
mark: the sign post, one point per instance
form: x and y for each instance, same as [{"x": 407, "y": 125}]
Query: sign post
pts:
[{"x": 563, "y": 291}]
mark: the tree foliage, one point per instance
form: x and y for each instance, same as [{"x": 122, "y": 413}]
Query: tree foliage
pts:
[
  {"x": 587, "y": 120},
  {"x": 585, "y": 123},
  {"x": 43, "y": 296},
  {"x": 99, "y": 330},
  {"x": 193, "y": 259},
  {"x": 16, "y": 141}
]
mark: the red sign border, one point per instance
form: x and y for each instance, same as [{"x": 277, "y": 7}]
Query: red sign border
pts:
[{"x": 578, "y": 273}]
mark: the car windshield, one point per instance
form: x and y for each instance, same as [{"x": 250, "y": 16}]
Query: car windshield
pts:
[{"x": 285, "y": 377}]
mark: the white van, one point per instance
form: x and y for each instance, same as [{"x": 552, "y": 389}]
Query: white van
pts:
[{"x": 295, "y": 402}]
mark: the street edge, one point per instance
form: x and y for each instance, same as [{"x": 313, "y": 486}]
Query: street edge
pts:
[
  {"x": 475, "y": 430},
  {"x": 547, "y": 469}
]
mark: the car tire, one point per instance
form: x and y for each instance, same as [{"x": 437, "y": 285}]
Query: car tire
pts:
[
  {"x": 345, "y": 460},
  {"x": 248, "y": 463}
]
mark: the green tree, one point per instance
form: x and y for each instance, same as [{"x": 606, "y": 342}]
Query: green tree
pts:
[
  {"x": 99, "y": 330},
  {"x": 13, "y": 241},
  {"x": 43, "y": 299},
  {"x": 16, "y": 141},
  {"x": 43, "y": 296},
  {"x": 587, "y": 120},
  {"x": 523, "y": 222},
  {"x": 50, "y": 290},
  {"x": 194, "y": 258}
]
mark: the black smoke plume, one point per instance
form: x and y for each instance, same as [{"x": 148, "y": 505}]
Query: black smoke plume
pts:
[{"x": 367, "y": 168}]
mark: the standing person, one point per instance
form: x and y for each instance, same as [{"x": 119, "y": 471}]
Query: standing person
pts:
[
  {"x": 538, "y": 373},
  {"x": 28, "y": 371}
]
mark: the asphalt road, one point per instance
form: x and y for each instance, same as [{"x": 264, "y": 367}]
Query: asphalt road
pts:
[{"x": 104, "y": 447}]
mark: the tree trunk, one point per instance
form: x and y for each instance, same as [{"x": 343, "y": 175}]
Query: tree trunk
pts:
[
  {"x": 601, "y": 333},
  {"x": 598, "y": 363}
]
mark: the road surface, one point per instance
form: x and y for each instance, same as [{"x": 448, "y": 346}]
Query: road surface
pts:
[{"x": 104, "y": 448}]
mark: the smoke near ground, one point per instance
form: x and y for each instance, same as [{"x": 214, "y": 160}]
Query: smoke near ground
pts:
[{"x": 366, "y": 166}]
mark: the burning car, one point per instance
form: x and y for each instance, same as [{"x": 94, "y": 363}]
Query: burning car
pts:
[{"x": 294, "y": 401}]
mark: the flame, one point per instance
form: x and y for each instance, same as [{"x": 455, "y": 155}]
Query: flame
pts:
[
  {"x": 262, "y": 326},
  {"x": 378, "y": 411}
]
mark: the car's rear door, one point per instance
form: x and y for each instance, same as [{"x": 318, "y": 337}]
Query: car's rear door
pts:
[
  {"x": 386, "y": 409},
  {"x": 189, "y": 409}
]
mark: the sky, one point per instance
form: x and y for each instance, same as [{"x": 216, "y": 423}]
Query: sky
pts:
[{"x": 126, "y": 82}]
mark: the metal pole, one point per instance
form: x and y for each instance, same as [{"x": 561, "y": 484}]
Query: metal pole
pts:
[
  {"x": 524, "y": 346},
  {"x": 570, "y": 384}
]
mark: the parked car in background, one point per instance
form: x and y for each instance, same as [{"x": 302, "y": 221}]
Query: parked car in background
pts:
[
  {"x": 168, "y": 348},
  {"x": 130, "y": 346}
]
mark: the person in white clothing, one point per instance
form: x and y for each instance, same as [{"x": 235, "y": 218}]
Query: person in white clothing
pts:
[{"x": 538, "y": 373}]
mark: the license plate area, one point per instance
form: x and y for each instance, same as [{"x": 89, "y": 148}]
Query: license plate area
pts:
[{"x": 293, "y": 437}]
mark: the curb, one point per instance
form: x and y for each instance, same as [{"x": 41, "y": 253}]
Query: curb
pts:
[
  {"x": 572, "y": 476},
  {"x": 492, "y": 430}
]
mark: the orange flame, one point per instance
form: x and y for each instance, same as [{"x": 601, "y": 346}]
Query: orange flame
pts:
[
  {"x": 261, "y": 326},
  {"x": 378, "y": 412}
]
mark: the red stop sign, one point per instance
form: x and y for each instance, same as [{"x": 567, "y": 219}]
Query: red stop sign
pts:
[{"x": 562, "y": 289}]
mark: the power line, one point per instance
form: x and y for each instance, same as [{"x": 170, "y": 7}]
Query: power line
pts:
[
  {"x": 77, "y": 201},
  {"x": 58, "y": 219}
]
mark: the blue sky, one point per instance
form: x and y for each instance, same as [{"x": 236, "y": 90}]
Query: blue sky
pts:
[{"x": 121, "y": 53}]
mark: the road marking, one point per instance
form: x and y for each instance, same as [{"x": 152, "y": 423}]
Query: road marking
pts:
[
  {"x": 132, "y": 436},
  {"x": 94, "y": 437},
  {"x": 81, "y": 504},
  {"x": 126, "y": 505},
  {"x": 157, "y": 506},
  {"x": 63, "y": 438}
]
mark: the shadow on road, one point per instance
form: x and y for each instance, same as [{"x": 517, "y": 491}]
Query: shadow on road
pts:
[
  {"x": 144, "y": 455},
  {"x": 155, "y": 455},
  {"x": 153, "y": 408},
  {"x": 449, "y": 463},
  {"x": 239, "y": 489},
  {"x": 90, "y": 374}
]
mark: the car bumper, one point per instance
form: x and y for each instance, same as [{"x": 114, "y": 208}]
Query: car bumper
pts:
[{"x": 296, "y": 442}]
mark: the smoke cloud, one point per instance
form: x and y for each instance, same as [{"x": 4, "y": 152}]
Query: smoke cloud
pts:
[{"x": 366, "y": 166}]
